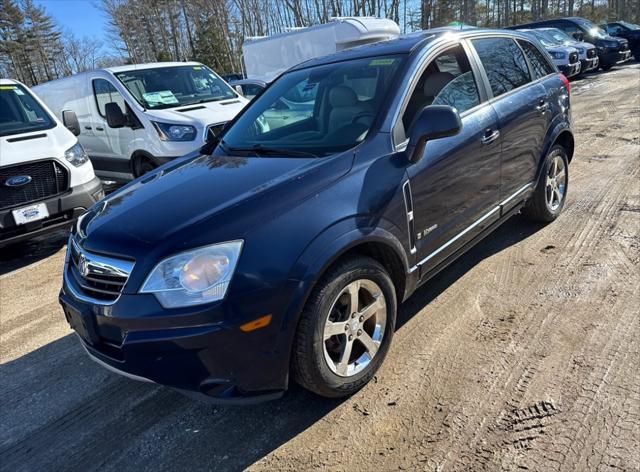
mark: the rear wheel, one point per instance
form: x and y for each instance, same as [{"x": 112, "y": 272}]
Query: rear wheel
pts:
[
  {"x": 345, "y": 329},
  {"x": 548, "y": 199}
]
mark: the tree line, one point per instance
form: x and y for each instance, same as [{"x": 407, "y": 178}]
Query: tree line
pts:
[{"x": 34, "y": 49}]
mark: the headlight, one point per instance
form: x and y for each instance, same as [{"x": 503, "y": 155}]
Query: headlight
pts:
[
  {"x": 557, "y": 55},
  {"x": 194, "y": 277},
  {"x": 76, "y": 155},
  {"x": 170, "y": 132}
]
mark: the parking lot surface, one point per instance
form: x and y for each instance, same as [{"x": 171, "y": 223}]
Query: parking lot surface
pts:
[{"x": 524, "y": 354}]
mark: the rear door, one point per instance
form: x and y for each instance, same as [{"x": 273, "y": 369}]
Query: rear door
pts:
[{"x": 522, "y": 107}]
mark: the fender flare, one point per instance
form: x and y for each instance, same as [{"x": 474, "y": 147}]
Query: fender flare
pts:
[{"x": 551, "y": 139}]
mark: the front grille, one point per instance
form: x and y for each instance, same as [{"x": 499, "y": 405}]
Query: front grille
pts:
[
  {"x": 573, "y": 58},
  {"x": 591, "y": 53},
  {"x": 213, "y": 131},
  {"x": 48, "y": 178},
  {"x": 97, "y": 277}
]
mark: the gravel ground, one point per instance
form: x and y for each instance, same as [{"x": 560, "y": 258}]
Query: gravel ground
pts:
[{"x": 524, "y": 354}]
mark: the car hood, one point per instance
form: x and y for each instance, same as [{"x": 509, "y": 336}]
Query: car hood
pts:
[
  {"x": 202, "y": 199},
  {"x": 207, "y": 113},
  {"x": 46, "y": 144}
]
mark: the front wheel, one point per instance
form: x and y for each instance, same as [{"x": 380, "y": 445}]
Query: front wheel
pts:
[
  {"x": 345, "y": 329},
  {"x": 549, "y": 196}
]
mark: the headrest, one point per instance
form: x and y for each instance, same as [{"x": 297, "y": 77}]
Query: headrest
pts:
[
  {"x": 436, "y": 82},
  {"x": 342, "y": 96}
]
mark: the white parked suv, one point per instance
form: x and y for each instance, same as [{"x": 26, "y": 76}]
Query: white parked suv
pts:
[
  {"x": 46, "y": 178},
  {"x": 134, "y": 118}
]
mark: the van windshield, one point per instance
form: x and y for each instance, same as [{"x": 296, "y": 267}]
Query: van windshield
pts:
[
  {"x": 168, "y": 87},
  {"x": 20, "y": 112},
  {"x": 315, "y": 111}
]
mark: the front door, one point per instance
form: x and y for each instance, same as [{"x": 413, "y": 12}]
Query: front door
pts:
[{"x": 455, "y": 186}]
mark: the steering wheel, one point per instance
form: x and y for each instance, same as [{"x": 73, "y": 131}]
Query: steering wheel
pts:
[{"x": 360, "y": 115}]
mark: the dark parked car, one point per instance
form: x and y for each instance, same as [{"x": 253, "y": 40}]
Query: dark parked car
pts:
[
  {"x": 282, "y": 254},
  {"x": 611, "y": 51},
  {"x": 628, "y": 31}
]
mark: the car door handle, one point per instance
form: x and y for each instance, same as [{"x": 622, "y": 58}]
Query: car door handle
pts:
[
  {"x": 490, "y": 136},
  {"x": 542, "y": 106},
  {"x": 99, "y": 128}
]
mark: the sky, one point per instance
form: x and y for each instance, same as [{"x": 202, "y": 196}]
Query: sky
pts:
[{"x": 82, "y": 17}]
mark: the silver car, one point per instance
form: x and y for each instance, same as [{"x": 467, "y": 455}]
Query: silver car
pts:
[
  {"x": 566, "y": 58},
  {"x": 586, "y": 51}
]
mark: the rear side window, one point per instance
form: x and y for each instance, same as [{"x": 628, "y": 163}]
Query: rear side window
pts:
[
  {"x": 105, "y": 92},
  {"x": 540, "y": 65},
  {"x": 504, "y": 64}
]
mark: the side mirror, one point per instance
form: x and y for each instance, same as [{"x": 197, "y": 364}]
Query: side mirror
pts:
[
  {"x": 578, "y": 36},
  {"x": 115, "y": 117},
  {"x": 70, "y": 121},
  {"x": 433, "y": 122},
  {"x": 238, "y": 89}
]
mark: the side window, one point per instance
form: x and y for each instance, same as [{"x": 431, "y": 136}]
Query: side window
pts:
[
  {"x": 540, "y": 65},
  {"x": 504, "y": 64},
  {"x": 447, "y": 80},
  {"x": 104, "y": 93}
]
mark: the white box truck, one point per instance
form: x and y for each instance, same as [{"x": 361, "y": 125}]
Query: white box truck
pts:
[
  {"x": 267, "y": 57},
  {"x": 46, "y": 179},
  {"x": 134, "y": 118}
]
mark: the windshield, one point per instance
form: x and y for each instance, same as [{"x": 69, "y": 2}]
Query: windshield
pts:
[
  {"x": 630, "y": 26},
  {"x": 20, "y": 112},
  {"x": 545, "y": 40},
  {"x": 593, "y": 30},
  {"x": 315, "y": 111},
  {"x": 168, "y": 87},
  {"x": 560, "y": 36}
]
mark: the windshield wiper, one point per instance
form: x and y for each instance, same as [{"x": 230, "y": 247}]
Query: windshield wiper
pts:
[{"x": 260, "y": 150}]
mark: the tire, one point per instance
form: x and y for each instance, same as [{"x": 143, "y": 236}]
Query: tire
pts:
[
  {"x": 316, "y": 361},
  {"x": 142, "y": 165},
  {"x": 546, "y": 204},
  {"x": 606, "y": 67}
]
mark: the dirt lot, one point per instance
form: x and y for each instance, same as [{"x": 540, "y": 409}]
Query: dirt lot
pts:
[{"x": 525, "y": 354}]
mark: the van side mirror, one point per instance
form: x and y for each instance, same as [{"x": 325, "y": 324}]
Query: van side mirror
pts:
[
  {"x": 238, "y": 89},
  {"x": 115, "y": 117},
  {"x": 433, "y": 122},
  {"x": 70, "y": 121}
]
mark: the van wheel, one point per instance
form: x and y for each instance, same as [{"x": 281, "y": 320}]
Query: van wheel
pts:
[
  {"x": 142, "y": 165},
  {"x": 345, "y": 329},
  {"x": 551, "y": 192}
]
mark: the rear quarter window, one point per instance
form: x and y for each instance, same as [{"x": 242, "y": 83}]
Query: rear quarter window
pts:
[
  {"x": 503, "y": 62},
  {"x": 540, "y": 65}
]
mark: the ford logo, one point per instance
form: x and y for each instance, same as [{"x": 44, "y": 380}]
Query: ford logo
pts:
[{"x": 17, "y": 181}]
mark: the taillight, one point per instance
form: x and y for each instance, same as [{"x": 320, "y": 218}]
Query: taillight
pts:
[{"x": 566, "y": 83}]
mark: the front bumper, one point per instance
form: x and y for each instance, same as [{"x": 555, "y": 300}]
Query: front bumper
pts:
[
  {"x": 569, "y": 70},
  {"x": 196, "y": 351},
  {"x": 615, "y": 57},
  {"x": 590, "y": 64},
  {"x": 63, "y": 210}
]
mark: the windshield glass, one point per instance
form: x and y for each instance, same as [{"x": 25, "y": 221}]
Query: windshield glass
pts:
[
  {"x": 560, "y": 36},
  {"x": 630, "y": 26},
  {"x": 315, "y": 111},
  {"x": 168, "y": 87},
  {"x": 20, "y": 112},
  {"x": 545, "y": 40},
  {"x": 593, "y": 30}
]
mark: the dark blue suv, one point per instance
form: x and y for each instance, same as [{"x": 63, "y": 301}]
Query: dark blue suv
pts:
[{"x": 282, "y": 251}]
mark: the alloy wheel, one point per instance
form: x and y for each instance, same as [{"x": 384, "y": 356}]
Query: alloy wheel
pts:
[
  {"x": 556, "y": 183},
  {"x": 354, "y": 328}
]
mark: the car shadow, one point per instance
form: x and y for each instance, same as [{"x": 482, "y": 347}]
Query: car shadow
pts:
[
  {"x": 19, "y": 255},
  {"x": 63, "y": 412}
]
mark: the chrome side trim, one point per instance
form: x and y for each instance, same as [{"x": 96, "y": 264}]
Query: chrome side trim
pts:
[
  {"x": 478, "y": 222},
  {"x": 113, "y": 369},
  {"x": 407, "y": 195}
]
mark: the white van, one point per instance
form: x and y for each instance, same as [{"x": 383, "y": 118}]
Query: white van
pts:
[
  {"x": 136, "y": 117},
  {"x": 46, "y": 178},
  {"x": 266, "y": 57}
]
